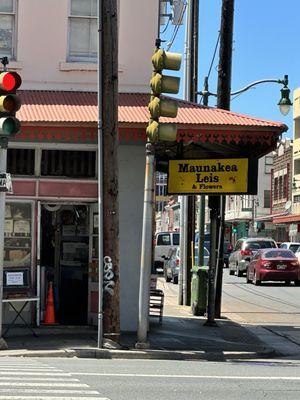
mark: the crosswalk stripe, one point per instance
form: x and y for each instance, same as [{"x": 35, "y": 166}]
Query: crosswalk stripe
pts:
[
  {"x": 29, "y": 378},
  {"x": 44, "y": 384},
  {"x": 21, "y": 364},
  {"x": 50, "y": 391},
  {"x": 35, "y": 373},
  {"x": 8, "y": 397},
  {"x": 37, "y": 381},
  {"x": 29, "y": 369}
]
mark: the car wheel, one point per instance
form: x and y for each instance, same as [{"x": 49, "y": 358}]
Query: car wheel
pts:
[
  {"x": 238, "y": 272},
  {"x": 231, "y": 272},
  {"x": 248, "y": 280},
  {"x": 167, "y": 278},
  {"x": 175, "y": 280},
  {"x": 287, "y": 282},
  {"x": 255, "y": 281},
  {"x": 297, "y": 282}
]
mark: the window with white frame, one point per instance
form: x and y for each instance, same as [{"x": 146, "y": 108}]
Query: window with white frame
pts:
[
  {"x": 83, "y": 31},
  {"x": 7, "y": 28},
  {"x": 268, "y": 164},
  {"x": 247, "y": 202}
]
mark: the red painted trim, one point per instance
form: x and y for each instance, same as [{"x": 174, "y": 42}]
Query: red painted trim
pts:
[
  {"x": 272, "y": 191},
  {"x": 67, "y": 134},
  {"x": 288, "y": 168},
  {"x": 288, "y": 219},
  {"x": 24, "y": 187},
  {"x": 48, "y": 188},
  {"x": 68, "y": 189}
]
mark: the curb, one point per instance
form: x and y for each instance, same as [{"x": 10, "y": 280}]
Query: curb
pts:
[
  {"x": 171, "y": 355},
  {"x": 65, "y": 353},
  {"x": 141, "y": 354}
]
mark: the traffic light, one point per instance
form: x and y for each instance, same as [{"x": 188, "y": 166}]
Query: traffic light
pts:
[
  {"x": 234, "y": 228},
  {"x": 158, "y": 106},
  {"x": 9, "y": 103}
]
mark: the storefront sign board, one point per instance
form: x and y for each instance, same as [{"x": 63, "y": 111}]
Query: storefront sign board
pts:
[{"x": 209, "y": 176}]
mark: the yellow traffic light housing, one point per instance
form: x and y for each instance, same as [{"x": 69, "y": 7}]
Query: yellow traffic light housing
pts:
[
  {"x": 9, "y": 103},
  {"x": 160, "y": 107},
  {"x": 165, "y": 60}
]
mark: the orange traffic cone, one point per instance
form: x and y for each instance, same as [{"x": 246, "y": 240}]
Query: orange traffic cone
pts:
[{"x": 50, "y": 314}]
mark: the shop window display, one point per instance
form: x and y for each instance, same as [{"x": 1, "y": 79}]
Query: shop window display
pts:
[{"x": 17, "y": 244}]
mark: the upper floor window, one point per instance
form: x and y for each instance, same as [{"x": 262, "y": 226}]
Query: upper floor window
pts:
[
  {"x": 7, "y": 28},
  {"x": 83, "y": 31},
  {"x": 268, "y": 164}
]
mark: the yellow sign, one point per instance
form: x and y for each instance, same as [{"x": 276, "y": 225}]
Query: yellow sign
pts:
[{"x": 208, "y": 176}]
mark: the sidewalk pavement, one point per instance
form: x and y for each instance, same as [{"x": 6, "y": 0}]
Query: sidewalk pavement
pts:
[{"x": 180, "y": 336}]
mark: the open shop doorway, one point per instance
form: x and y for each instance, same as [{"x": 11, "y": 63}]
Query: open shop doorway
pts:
[{"x": 64, "y": 260}]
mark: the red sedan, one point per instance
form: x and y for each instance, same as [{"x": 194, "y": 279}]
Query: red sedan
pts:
[{"x": 274, "y": 265}]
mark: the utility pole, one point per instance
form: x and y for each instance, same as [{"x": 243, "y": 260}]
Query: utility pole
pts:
[
  {"x": 190, "y": 93},
  {"x": 217, "y": 203},
  {"x": 185, "y": 251},
  {"x": 3, "y": 154},
  {"x": 192, "y": 96},
  {"x": 223, "y": 101},
  {"x": 109, "y": 117}
]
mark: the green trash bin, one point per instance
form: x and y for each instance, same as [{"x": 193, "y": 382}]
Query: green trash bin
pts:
[{"x": 199, "y": 289}]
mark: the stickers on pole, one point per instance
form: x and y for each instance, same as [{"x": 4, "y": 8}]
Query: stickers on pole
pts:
[
  {"x": 218, "y": 176},
  {"x": 5, "y": 183}
]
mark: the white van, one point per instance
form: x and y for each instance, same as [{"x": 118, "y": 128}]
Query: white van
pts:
[{"x": 164, "y": 241}]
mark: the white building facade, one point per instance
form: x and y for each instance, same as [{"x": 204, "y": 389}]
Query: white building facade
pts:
[{"x": 52, "y": 44}]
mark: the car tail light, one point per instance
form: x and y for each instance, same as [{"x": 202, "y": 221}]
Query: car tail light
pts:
[
  {"x": 177, "y": 262},
  {"x": 266, "y": 264},
  {"x": 294, "y": 263},
  {"x": 246, "y": 252}
]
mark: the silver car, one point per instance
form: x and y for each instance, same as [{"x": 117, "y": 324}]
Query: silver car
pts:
[{"x": 244, "y": 250}]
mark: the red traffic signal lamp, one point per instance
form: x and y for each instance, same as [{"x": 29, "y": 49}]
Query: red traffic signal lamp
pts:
[
  {"x": 9, "y": 103},
  {"x": 158, "y": 106}
]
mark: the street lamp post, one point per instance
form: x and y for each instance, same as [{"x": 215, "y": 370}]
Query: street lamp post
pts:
[{"x": 284, "y": 102}]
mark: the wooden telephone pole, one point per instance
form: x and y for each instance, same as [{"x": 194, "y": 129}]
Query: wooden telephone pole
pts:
[
  {"x": 217, "y": 203},
  {"x": 110, "y": 209}
]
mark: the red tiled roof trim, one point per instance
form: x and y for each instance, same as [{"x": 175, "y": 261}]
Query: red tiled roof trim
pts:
[
  {"x": 40, "y": 106},
  {"x": 287, "y": 219}
]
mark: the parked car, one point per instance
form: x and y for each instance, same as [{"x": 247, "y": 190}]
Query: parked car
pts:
[
  {"x": 172, "y": 265},
  {"x": 297, "y": 254},
  {"x": 274, "y": 265},
  {"x": 206, "y": 254},
  {"x": 164, "y": 242},
  {"x": 244, "y": 249},
  {"x": 227, "y": 249},
  {"x": 293, "y": 246}
]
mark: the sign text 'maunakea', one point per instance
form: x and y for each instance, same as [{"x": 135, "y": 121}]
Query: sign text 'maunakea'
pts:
[{"x": 208, "y": 176}]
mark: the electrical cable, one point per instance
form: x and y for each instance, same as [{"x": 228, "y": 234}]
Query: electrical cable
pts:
[
  {"x": 166, "y": 27},
  {"x": 214, "y": 55},
  {"x": 176, "y": 28},
  {"x": 212, "y": 62}
]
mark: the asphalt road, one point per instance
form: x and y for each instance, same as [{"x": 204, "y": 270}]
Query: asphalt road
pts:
[
  {"x": 271, "y": 303},
  {"x": 67, "y": 379}
]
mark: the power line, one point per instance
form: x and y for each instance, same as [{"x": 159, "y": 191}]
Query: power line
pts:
[
  {"x": 165, "y": 27},
  {"x": 176, "y": 28},
  {"x": 214, "y": 55}
]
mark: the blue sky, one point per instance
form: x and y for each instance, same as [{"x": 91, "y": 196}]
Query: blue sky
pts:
[{"x": 266, "y": 45}]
